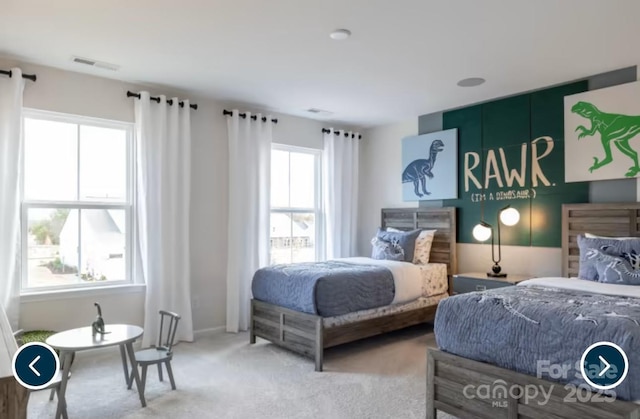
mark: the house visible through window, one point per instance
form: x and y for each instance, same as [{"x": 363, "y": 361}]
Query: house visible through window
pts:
[
  {"x": 77, "y": 201},
  {"x": 295, "y": 205}
]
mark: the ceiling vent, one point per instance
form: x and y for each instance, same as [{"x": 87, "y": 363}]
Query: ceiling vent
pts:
[
  {"x": 319, "y": 112},
  {"x": 94, "y": 63}
]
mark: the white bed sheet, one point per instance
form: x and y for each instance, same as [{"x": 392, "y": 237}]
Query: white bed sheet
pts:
[
  {"x": 584, "y": 285},
  {"x": 411, "y": 281},
  {"x": 406, "y": 277}
]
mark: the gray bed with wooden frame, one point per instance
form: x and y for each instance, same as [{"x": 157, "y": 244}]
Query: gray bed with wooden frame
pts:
[
  {"x": 307, "y": 335},
  {"x": 448, "y": 374}
]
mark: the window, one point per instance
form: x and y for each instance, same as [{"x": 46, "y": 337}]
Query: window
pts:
[
  {"x": 296, "y": 219},
  {"x": 77, "y": 202}
]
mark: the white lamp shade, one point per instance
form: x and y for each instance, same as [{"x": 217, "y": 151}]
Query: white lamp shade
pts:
[
  {"x": 481, "y": 233},
  {"x": 510, "y": 217}
]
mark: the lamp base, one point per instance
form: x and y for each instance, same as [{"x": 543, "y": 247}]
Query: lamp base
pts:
[{"x": 496, "y": 271}]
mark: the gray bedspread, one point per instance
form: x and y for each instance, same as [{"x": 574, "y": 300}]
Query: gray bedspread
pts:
[
  {"x": 516, "y": 327},
  {"x": 327, "y": 289}
]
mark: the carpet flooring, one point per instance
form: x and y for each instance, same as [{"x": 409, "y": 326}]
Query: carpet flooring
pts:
[{"x": 224, "y": 377}]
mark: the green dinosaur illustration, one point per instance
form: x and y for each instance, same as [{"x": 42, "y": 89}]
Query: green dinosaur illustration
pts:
[{"x": 619, "y": 129}]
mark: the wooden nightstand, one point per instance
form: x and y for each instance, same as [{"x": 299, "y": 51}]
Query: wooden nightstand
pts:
[{"x": 476, "y": 281}]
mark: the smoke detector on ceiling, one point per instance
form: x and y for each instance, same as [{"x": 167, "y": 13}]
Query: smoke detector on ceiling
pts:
[
  {"x": 340, "y": 34},
  {"x": 95, "y": 63},
  {"x": 471, "y": 82},
  {"x": 320, "y": 112}
]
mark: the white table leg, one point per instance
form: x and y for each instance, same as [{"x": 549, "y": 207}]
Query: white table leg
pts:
[
  {"x": 66, "y": 366},
  {"x": 134, "y": 370}
]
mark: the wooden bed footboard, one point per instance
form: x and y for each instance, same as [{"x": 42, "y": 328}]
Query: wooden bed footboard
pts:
[
  {"x": 299, "y": 332},
  {"x": 471, "y": 389},
  {"x": 306, "y": 335}
]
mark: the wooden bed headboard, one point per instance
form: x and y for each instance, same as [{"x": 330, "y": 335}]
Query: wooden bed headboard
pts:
[
  {"x": 614, "y": 220},
  {"x": 442, "y": 219}
]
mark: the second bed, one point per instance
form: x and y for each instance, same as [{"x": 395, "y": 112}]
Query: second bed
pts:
[{"x": 323, "y": 311}]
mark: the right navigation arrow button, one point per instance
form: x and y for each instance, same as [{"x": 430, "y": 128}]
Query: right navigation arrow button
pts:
[{"x": 606, "y": 366}]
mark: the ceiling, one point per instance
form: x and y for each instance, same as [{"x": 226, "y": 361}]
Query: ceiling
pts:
[{"x": 403, "y": 60}]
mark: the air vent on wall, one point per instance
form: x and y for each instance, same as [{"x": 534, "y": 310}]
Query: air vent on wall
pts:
[
  {"x": 94, "y": 63},
  {"x": 319, "y": 111}
]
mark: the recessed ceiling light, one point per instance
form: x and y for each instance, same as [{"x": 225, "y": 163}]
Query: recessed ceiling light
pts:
[
  {"x": 471, "y": 82},
  {"x": 340, "y": 34}
]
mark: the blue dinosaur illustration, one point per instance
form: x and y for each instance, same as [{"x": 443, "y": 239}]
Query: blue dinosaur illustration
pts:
[{"x": 418, "y": 170}]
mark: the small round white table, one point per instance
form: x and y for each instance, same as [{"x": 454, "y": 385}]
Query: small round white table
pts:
[{"x": 71, "y": 341}]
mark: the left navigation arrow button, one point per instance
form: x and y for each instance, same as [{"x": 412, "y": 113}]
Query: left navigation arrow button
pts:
[
  {"x": 31, "y": 366},
  {"x": 35, "y": 365}
]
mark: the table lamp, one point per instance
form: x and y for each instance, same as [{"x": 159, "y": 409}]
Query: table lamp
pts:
[{"x": 483, "y": 231}]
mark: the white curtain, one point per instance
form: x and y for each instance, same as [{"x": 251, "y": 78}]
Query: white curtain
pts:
[
  {"x": 163, "y": 136},
  {"x": 11, "y": 149},
  {"x": 249, "y": 206},
  {"x": 340, "y": 180}
]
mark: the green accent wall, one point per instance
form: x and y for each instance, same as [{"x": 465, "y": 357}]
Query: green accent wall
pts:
[{"x": 511, "y": 152}]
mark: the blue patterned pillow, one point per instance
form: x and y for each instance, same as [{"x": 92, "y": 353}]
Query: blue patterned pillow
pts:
[
  {"x": 406, "y": 240},
  {"x": 612, "y": 247},
  {"x": 385, "y": 250},
  {"x": 613, "y": 269}
]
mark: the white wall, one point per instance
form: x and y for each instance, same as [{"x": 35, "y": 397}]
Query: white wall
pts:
[
  {"x": 75, "y": 93},
  {"x": 300, "y": 132},
  {"x": 536, "y": 261},
  {"x": 380, "y": 169}
]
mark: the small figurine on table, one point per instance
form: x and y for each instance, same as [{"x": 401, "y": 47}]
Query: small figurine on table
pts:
[{"x": 98, "y": 325}]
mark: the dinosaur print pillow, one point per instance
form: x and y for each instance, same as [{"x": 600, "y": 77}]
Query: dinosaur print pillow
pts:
[
  {"x": 386, "y": 250},
  {"x": 612, "y": 247},
  {"x": 406, "y": 240},
  {"x": 422, "y": 251},
  {"x": 613, "y": 269}
]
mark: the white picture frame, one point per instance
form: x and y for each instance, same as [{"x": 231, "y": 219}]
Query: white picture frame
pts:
[{"x": 602, "y": 134}]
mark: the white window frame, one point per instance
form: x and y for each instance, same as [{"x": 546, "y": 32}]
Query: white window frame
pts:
[
  {"x": 318, "y": 210},
  {"x": 127, "y": 206}
]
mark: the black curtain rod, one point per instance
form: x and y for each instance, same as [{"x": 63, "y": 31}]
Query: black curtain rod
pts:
[
  {"x": 31, "y": 77},
  {"x": 157, "y": 99},
  {"x": 244, "y": 116},
  {"x": 345, "y": 133}
]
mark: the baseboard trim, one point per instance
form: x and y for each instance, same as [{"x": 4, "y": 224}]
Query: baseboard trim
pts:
[{"x": 203, "y": 333}]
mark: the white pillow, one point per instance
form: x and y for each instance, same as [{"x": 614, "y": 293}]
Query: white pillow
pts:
[
  {"x": 593, "y": 236},
  {"x": 424, "y": 241}
]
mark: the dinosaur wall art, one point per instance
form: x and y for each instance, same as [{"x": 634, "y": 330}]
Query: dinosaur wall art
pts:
[
  {"x": 602, "y": 134},
  {"x": 430, "y": 166},
  {"x": 419, "y": 170}
]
